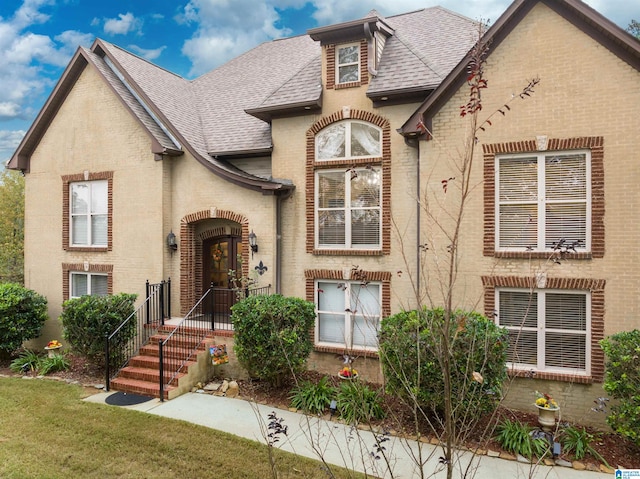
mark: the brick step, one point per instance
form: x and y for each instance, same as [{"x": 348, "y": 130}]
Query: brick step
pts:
[
  {"x": 135, "y": 386},
  {"x": 147, "y": 374},
  {"x": 152, "y": 349},
  {"x": 177, "y": 340},
  {"x": 153, "y": 362},
  {"x": 186, "y": 330}
]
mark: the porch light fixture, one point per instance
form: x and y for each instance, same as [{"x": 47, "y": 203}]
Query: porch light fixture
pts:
[
  {"x": 171, "y": 241},
  {"x": 252, "y": 243}
]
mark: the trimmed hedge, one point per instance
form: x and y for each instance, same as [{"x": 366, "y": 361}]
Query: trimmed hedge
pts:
[
  {"x": 88, "y": 319},
  {"x": 272, "y": 339},
  {"x": 410, "y": 355},
  {"x": 622, "y": 381},
  {"x": 23, "y": 312}
]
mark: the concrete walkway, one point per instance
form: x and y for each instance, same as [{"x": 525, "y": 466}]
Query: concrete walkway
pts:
[{"x": 337, "y": 443}]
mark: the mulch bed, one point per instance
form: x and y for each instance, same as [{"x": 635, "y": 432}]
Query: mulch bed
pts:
[{"x": 616, "y": 450}]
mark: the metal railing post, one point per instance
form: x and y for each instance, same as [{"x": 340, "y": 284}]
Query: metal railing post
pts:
[
  {"x": 161, "y": 358},
  {"x": 147, "y": 291},
  {"x": 169, "y": 298},
  {"x": 213, "y": 306},
  {"x": 107, "y": 361},
  {"x": 161, "y": 302}
]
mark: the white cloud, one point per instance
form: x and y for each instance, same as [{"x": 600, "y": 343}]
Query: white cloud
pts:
[
  {"x": 125, "y": 23},
  {"x": 25, "y": 55},
  {"x": 9, "y": 141},
  {"x": 227, "y": 29},
  {"x": 145, "y": 53}
]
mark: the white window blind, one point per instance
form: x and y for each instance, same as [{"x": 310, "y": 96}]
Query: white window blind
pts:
[
  {"x": 543, "y": 200},
  {"x": 548, "y": 330},
  {"x": 88, "y": 284},
  {"x": 89, "y": 213},
  {"x": 348, "y": 208},
  {"x": 348, "y": 314}
]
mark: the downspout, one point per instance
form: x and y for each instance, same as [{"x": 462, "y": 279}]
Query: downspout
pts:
[
  {"x": 414, "y": 142},
  {"x": 279, "y": 198}
]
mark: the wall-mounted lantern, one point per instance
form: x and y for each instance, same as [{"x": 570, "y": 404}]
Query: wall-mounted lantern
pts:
[
  {"x": 253, "y": 243},
  {"x": 172, "y": 243}
]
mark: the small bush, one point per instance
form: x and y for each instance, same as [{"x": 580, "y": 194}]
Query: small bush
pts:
[
  {"x": 27, "y": 361},
  {"x": 53, "y": 365},
  {"x": 516, "y": 437},
  {"x": 411, "y": 351},
  {"x": 23, "y": 312},
  {"x": 272, "y": 335},
  {"x": 311, "y": 397},
  {"x": 358, "y": 403},
  {"x": 622, "y": 382},
  {"x": 89, "y": 319},
  {"x": 578, "y": 441}
]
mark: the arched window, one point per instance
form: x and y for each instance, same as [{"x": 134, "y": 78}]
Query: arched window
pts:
[{"x": 348, "y": 206}]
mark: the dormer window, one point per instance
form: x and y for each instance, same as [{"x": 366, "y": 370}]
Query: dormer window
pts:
[{"x": 348, "y": 63}]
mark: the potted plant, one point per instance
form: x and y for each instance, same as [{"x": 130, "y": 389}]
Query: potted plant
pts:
[
  {"x": 53, "y": 348},
  {"x": 347, "y": 372},
  {"x": 547, "y": 407}
]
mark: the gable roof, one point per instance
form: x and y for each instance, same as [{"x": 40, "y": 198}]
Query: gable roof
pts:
[
  {"x": 226, "y": 113},
  {"x": 594, "y": 24}
]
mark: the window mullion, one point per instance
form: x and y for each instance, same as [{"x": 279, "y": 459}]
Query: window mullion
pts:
[
  {"x": 542, "y": 305},
  {"x": 542, "y": 201},
  {"x": 347, "y": 210}
]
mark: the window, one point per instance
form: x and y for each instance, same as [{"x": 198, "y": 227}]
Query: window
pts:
[
  {"x": 89, "y": 213},
  {"x": 348, "y": 139},
  {"x": 348, "y": 314},
  {"x": 348, "y": 208},
  {"x": 348, "y": 63},
  {"x": 543, "y": 201},
  {"x": 88, "y": 284},
  {"x": 549, "y": 330}
]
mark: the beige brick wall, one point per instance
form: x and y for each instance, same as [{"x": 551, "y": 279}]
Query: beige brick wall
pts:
[
  {"x": 584, "y": 91},
  {"x": 93, "y": 132}
]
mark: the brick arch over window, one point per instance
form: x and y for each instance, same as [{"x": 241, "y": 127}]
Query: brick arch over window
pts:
[
  {"x": 191, "y": 250},
  {"x": 385, "y": 165}
]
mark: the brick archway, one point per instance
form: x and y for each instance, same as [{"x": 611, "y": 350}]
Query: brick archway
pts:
[{"x": 191, "y": 250}]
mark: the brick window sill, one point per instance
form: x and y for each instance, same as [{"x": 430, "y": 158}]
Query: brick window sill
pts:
[
  {"x": 570, "y": 378},
  {"x": 341, "y": 350},
  {"x": 347, "y": 252}
]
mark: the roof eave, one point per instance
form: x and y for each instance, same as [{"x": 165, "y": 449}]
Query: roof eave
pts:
[
  {"x": 21, "y": 158},
  {"x": 348, "y": 31},
  {"x": 600, "y": 27},
  {"x": 266, "y": 114}
]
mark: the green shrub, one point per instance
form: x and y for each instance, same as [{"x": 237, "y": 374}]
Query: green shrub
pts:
[
  {"x": 311, "y": 397},
  {"x": 23, "y": 312},
  {"x": 54, "y": 364},
  {"x": 411, "y": 351},
  {"x": 622, "y": 382},
  {"x": 358, "y": 403},
  {"x": 272, "y": 335},
  {"x": 516, "y": 437},
  {"x": 27, "y": 361},
  {"x": 88, "y": 319},
  {"x": 578, "y": 441}
]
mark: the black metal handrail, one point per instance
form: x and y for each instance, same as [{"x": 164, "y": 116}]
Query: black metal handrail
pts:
[
  {"x": 180, "y": 345},
  {"x": 183, "y": 342},
  {"x": 134, "y": 332}
]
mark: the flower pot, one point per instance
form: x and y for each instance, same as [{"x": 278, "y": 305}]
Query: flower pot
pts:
[
  {"x": 54, "y": 351},
  {"x": 547, "y": 417}
]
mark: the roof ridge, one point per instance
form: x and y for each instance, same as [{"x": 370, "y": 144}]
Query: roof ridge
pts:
[
  {"x": 290, "y": 78},
  {"x": 420, "y": 57},
  {"x": 138, "y": 57}
]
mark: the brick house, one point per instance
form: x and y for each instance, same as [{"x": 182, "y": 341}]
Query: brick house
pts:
[{"x": 314, "y": 145}]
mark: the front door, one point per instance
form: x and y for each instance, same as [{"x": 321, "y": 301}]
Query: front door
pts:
[{"x": 219, "y": 255}]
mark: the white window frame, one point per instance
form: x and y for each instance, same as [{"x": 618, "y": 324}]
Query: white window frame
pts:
[
  {"x": 89, "y": 276},
  {"x": 348, "y": 141},
  {"x": 89, "y": 214},
  {"x": 348, "y": 313},
  {"x": 338, "y": 64},
  {"x": 348, "y": 209},
  {"x": 541, "y": 201},
  {"x": 541, "y": 331}
]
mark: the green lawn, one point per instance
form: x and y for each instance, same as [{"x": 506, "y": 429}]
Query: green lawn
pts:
[{"x": 47, "y": 431}]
